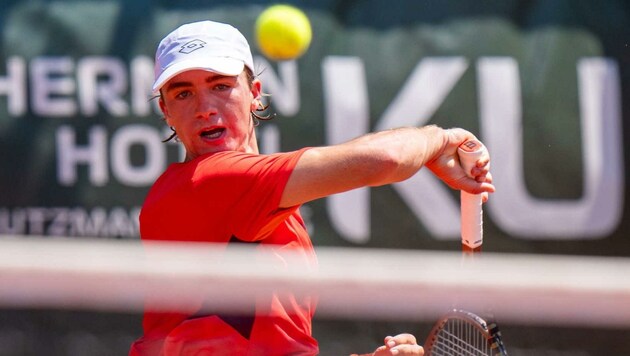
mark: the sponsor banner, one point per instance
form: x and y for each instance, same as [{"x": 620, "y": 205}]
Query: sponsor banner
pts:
[{"x": 81, "y": 136}]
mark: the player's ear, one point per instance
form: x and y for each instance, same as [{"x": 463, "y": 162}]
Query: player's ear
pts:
[{"x": 256, "y": 91}]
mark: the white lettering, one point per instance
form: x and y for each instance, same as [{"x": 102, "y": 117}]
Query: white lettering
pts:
[
  {"x": 51, "y": 86},
  {"x": 599, "y": 211},
  {"x": 58, "y": 225},
  {"x": 36, "y": 220},
  {"x": 13, "y": 223},
  {"x": 141, "y": 82},
  {"x": 155, "y": 155},
  {"x": 423, "y": 93},
  {"x": 104, "y": 83},
  {"x": 84, "y": 223},
  {"x": 594, "y": 216},
  {"x": 93, "y": 154},
  {"x": 347, "y": 117},
  {"x": 95, "y": 89},
  {"x": 101, "y": 83},
  {"x": 119, "y": 223},
  {"x": 14, "y": 86}
]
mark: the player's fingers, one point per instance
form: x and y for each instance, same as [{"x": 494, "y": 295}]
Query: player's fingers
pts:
[
  {"x": 476, "y": 187},
  {"x": 484, "y": 162},
  {"x": 489, "y": 177},
  {"x": 484, "y": 177},
  {"x": 407, "y": 350},
  {"x": 401, "y": 350},
  {"x": 399, "y": 339},
  {"x": 480, "y": 169},
  {"x": 486, "y": 187}
]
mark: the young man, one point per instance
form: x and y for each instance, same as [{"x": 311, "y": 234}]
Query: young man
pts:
[{"x": 226, "y": 192}]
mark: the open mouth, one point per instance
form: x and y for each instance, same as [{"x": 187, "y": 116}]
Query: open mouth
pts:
[{"x": 212, "y": 133}]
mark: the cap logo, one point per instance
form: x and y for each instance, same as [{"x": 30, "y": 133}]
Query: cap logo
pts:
[{"x": 192, "y": 46}]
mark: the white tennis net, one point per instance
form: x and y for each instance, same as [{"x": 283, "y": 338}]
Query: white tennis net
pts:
[{"x": 115, "y": 275}]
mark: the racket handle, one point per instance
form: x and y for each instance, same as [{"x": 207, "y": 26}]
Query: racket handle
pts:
[
  {"x": 472, "y": 220},
  {"x": 471, "y": 213}
]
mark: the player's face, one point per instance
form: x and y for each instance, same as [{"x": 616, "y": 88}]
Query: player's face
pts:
[{"x": 211, "y": 112}]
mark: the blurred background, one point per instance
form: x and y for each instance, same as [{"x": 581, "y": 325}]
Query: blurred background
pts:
[{"x": 542, "y": 82}]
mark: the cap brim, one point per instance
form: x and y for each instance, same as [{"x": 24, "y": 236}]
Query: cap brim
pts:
[{"x": 223, "y": 66}]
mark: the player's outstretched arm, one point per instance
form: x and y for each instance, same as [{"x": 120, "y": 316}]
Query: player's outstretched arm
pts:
[{"x": 383, "y": 158}]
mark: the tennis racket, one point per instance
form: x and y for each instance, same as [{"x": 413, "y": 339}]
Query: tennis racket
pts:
[{"x": 461, "y": 332}]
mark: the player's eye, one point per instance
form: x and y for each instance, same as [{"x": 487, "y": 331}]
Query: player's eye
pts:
[
  {"x": 182, "y": 94},
  {"x": 221, "y": 87}
]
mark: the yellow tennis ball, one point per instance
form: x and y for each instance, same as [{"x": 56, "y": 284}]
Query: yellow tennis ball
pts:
[{"x": 283, "y": 32}]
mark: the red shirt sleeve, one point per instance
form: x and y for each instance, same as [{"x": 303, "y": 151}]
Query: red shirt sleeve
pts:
[{"x": 248, "y": 187}]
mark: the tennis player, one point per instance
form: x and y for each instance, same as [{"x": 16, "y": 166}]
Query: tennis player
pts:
[{"x": 225, "y": 191}]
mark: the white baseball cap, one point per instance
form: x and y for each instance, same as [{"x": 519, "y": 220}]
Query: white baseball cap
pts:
[{"x": 206, "y": 45}]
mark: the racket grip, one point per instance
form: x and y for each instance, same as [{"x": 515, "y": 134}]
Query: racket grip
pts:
[
  {"x": 469, "y": 153},
  {"x": 471, "y": 220}
]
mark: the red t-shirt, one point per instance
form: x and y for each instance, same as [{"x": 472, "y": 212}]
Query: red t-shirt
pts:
[{"x": 229, "y": 197}]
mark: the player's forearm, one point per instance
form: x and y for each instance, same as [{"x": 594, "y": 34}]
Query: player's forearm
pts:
[
  {"x": 398, "y": 154},
  {"x": 371, "y": 160}
]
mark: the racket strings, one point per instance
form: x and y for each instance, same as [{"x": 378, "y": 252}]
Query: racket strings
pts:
[
  {"x": 459, "y": 337},
  {"x": 455, "y": 346}
]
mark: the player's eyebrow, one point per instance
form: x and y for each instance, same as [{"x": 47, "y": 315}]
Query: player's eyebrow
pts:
[
  {"x": 185, "y": 83},
  {"x": 219, "y": 77},
  {"x": 177, "y": 85}
]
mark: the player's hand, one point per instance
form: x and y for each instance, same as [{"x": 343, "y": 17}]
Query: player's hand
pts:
[
  {"x": 401, "y": 345},
  {"x": 447, "y": 167}
]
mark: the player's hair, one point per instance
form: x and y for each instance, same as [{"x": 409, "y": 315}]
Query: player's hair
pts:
[{"x": 256, "y": 115}]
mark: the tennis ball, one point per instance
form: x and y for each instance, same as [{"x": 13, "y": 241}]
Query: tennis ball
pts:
[{"x": 283, "y": 32}]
